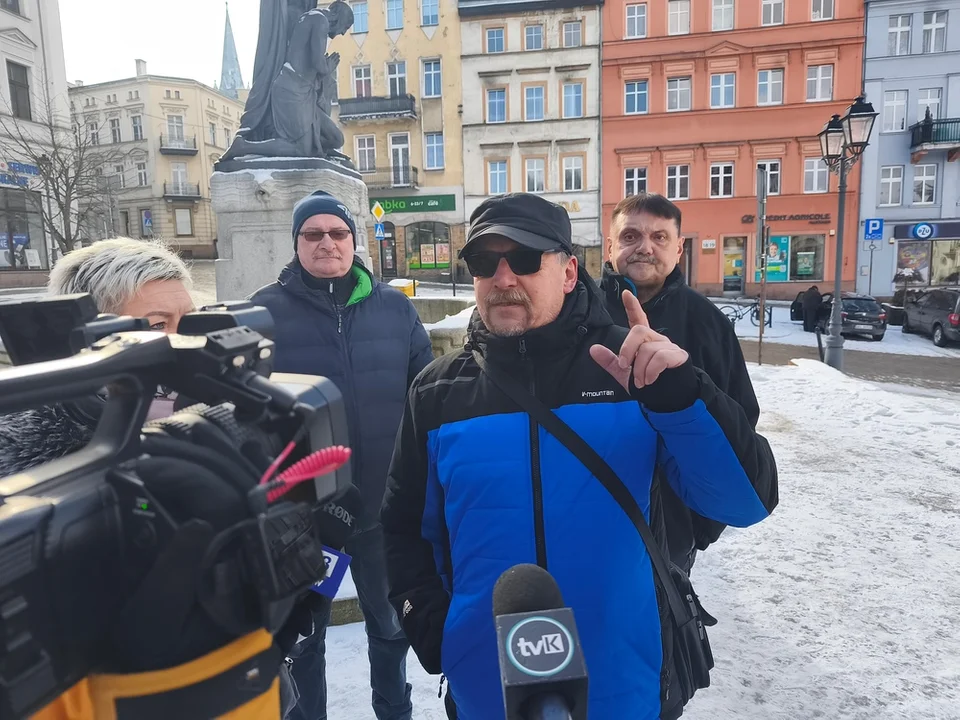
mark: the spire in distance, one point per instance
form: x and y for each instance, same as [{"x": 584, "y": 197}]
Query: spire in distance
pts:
[{"x": 230, "y": 79}]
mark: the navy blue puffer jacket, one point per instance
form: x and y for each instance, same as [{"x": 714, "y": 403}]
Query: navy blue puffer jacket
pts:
[{"x": 372, "y": 348}]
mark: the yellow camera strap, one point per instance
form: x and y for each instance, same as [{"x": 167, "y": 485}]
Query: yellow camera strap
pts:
[{"x": 236, "y": 682}]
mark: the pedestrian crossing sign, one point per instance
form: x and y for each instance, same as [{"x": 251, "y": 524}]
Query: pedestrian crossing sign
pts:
[{"x": 378, "y": 231}]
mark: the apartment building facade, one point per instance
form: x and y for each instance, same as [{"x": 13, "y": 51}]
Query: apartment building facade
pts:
[
  {"x": 531, "y": 92},
  {"x": 32, "y": 97},
  {"x": 399, "y": 105},
  {"x": 164, "y": 135},
  {"x": 911, "y": 169},
  {"x": 697, "y": 95}
]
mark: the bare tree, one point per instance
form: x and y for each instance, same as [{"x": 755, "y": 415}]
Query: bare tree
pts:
[{"x": 64, "y": 161}]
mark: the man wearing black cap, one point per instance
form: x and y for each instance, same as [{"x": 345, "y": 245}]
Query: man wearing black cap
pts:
[
  {"x": 476, "y": 486},
  {"x": 332, "y": 318}
]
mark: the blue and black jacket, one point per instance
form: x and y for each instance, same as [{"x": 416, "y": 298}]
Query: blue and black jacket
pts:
[{"x": 476, "y": 487}]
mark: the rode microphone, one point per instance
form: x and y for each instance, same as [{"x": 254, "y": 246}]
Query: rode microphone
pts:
[
  {"x": 336, "y": 519},
  {"x": 542, "y": 670}
]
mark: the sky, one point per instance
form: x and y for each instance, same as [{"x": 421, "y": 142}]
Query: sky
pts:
[{"x": 180, "y": 38}]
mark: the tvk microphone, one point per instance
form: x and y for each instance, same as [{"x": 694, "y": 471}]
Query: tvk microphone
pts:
[{"x": 542, "y": 670}]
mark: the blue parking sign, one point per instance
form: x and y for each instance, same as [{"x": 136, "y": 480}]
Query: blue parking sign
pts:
[{"x": 873, "y": 229}]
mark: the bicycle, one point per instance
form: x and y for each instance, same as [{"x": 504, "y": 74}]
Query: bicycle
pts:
[{"x": 738, "y": 311}]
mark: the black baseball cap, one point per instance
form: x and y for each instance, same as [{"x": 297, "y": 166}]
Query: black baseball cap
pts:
[{"x": 524, "y": 218}]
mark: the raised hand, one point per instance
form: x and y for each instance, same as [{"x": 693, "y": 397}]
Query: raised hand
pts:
[{"x": 645, "y": 352}]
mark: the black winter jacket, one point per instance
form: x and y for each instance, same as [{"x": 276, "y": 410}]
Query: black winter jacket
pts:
[
  {"x": 695, "y": 324},
  {"x": 372, "y": 348}
]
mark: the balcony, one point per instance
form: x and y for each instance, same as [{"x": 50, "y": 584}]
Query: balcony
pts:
[
  {"x": 378, "y": 108},
  {"x": 181, "y": 191},
  {"x": 927, "y": 136},
  {"x": 178, "y": 145},
  {"x": 401, "y": 176}
]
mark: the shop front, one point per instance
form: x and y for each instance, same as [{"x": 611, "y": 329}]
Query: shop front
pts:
[
  {"x": 24, "y": 254},
  {"x": 928, "y": 255}
]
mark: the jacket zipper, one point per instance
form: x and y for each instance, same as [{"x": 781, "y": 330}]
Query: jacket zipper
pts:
[{"x": 541, "y": 541}]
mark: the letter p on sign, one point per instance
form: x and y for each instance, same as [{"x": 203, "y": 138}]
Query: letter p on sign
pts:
[{"x": 873, "y": 229}]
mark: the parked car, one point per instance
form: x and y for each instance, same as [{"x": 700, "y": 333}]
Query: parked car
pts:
[
  {"x": 935, "y": 313},
  {"x": 861, "y": 314}
]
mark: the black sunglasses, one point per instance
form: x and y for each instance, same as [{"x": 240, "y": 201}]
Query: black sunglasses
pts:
[
  {"x": 337, "y": 235},
  {"x": 484, "y": 263}
]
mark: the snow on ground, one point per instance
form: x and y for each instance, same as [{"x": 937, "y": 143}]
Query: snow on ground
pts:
[
  {"x": 787, "y": 332},
  {"x": 842, "y": 605}
]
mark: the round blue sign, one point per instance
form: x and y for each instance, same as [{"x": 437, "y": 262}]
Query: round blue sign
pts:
[{"x": 923, "y": 231}]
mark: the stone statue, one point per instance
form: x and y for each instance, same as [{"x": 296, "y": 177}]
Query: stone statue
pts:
[{"x": 294, "y": 80}]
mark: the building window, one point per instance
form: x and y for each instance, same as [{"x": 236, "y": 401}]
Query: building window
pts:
[
  {"x": 573, "y": 173},
  {"x": 175, "y": 130},
  {"x": 183, "y": 221},
  {"x": 894, "y": 111},
  {"x": 213, "y": 133},
  {"x": 806, "y": 257},
  {"x": 678, "y": 12},
  {"x": 176, "y": 95},
  {"x": 362, "y": 81},
  {"x": 22, "y": 237},
  {"x": 635, "y": 181},
  {"x": 771, "y": 12},
  {"x": 11, "y": 6},
  {"x": 533, "y": 103},
  {"x": 891, "y": 185},
  {"x": 166, "y": 94},
  {"x": 637, "y": 21},
  {"x": 635, "y": 97},
  {"x": 431, "y": 78},
  {"x": 430, "y": 12},
  {"x": 178, "y": 177},
  {"x": 19, "y": 79},
  {"x": 428, "y": 245},
  {"x": 533, "y": 37},
  {"x": 495, "y": 40},
  {"x": 146, "y": 223},
  {"x": 772, "y": 168},
  {"x": 226, "y": 137},
  {"x": 394, "y": 14},
  {"x": 360, "y": 19},
  {"x": 770, "y": 87},
  {"x": 496, "y": 177},
  {"x": 924, "y": 184},
  {"x": 115, "y": 136},
  {"x": 93, "y": 133},
  {"x": 898, "y": 35},
  {"x": 934, "y": 31},
  {"x": 819, "y": 83},
  {"x": 678, "y": 94},
  {"x": 142, "y": 174},
  {"x": 399, "y": 144},
  {"x": 822, "y": 10},
  {"x": 723, "y": 90},
  {"x": 929, "y": 100},
  {"x": 366, "y": 153},
  {"x": 137, "y": 122},
  {"x": 721, "y": 180},
  {"x": 572, "y": 34},
  {"x": 118, "y": 174},
  {"x": 434, "y": 147},
  {"x": 573, "y": 100},
  {"x": 496, "y": 106},
  {"x": 722, "y": 15},
  {"x": 678, "y": 182},
  {"x": 397, "y": 78},
  {"x": 815, "y": 176},
  {"x": 536, "y": 175}
]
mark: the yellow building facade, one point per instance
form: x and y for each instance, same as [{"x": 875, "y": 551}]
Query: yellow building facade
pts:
[
  {"x": 399, "y": 108},
  {"x": 162, "y": 136}
]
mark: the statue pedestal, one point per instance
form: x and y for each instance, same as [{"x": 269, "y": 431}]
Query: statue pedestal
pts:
[{"x": 254, "y": 210}]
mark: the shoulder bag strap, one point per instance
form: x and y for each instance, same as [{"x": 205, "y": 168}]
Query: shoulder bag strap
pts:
[{"x": 599, "y": 468}]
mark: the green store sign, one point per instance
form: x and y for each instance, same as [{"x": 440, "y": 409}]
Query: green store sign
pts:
[{"x": 419, "y": 203}]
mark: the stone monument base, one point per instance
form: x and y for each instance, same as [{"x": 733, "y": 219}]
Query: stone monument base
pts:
[{"x": 254, "y": 208}]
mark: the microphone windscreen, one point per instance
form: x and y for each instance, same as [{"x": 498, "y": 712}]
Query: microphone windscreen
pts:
[
  {"x": 526, "y": 588},
  {"x": 336, "y": 519}
]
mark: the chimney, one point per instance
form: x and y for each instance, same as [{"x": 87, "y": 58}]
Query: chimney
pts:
[
  {"x": 141, "y": 68},
  {"x": 78, "y": 83}
]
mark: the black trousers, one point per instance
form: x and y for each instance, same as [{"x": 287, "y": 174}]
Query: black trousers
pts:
[
  {"x": 809, "y": 320},
  {"x": 449, "y": 706}
]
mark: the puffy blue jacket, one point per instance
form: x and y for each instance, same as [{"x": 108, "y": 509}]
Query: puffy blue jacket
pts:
[
  {"x": 476, "y": 486},
  {"x": 371, "y": 348}
]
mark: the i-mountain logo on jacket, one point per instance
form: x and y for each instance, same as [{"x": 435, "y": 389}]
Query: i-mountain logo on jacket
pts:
[{"x": 597, "y": 393}]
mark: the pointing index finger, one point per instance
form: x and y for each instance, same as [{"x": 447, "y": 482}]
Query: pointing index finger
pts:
[{"x": 635, "y": 314}]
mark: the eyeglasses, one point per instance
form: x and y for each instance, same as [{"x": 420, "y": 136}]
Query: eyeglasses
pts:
[
  {"x": 337, "y": 234},
  {"x": 484, "y": 263}
]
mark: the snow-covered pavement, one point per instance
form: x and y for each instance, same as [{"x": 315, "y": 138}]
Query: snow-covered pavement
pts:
[{"x": 842, "y": 605}]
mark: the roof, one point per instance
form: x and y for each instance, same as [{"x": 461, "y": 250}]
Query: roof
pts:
[{"x": 80, "y": 89}]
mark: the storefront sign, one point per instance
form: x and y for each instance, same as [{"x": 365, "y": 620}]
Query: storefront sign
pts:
[
  {"x": 416, "y": 203},
  {"x": 777, "y": 251},
  {"x": 812, "y": 218},
  {"x": 927, "y": 231},
  {"x": 570, "y": 206},
  {"x": 708, "y": 244}
]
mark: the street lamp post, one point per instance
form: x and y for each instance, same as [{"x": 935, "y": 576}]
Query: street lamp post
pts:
[{"x": 842, "y": 142}]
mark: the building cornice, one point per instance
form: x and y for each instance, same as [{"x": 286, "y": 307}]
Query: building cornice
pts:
[{"x": 500, "y": 8}]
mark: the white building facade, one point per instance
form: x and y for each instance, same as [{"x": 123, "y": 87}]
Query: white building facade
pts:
[
  {"x": 35, "y": 84},
  {"x": 531, "y": 110}
]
